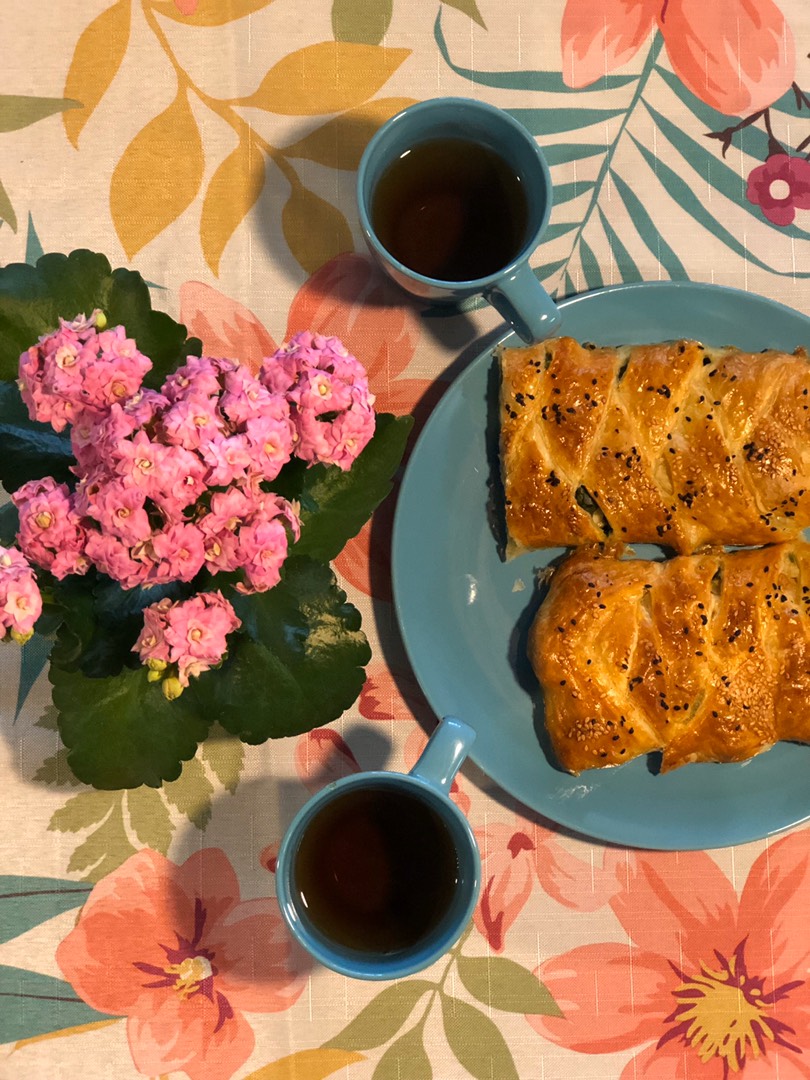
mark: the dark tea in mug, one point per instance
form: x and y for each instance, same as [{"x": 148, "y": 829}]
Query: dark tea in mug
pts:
[
  {"x": 376, "y": 870},
  {"x": 451, "y": 209}
]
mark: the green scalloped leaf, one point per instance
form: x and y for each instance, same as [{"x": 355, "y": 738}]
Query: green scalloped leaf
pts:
[
  {"x": 476, "y": 1041},
  {"x": 32, "y": 299},
  {"x": 300, "y": 655},
  {"x": 224, "y": 754},
  {"x": 191, "y": 793},
  {"x": 121, "y": 731},
  {"x": 149, "y": 818},
  {"x": 406, "y": 1057}
]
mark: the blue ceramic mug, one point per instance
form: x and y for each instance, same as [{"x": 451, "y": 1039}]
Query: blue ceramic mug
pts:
[
  {"x": 379, "y": 873},
  {"x": 511, "y": 288}
]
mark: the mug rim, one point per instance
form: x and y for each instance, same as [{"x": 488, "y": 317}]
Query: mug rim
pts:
[
  {"x": 471, "y": 285},
  {"x": 353, "y": 963}
]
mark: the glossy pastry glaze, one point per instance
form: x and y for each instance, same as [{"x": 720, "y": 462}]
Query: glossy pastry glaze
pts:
[
  {"x": 705, "y": 657},
  {"x": 673, "y": 444}
]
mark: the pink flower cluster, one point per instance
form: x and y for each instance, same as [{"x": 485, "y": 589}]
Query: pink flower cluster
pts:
[
  {"x": 182, "y": 639},
  {"x": 177, "y": 480},
  {"x": 20, "y": 599}
]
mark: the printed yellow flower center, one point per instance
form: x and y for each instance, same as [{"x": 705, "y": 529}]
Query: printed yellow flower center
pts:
[
  {"x": 725, "y": 1013},
  {"x": 190, "y": 973},
  {"x": 721, "y": 1021},
  {"x": 779, "y": 189}
]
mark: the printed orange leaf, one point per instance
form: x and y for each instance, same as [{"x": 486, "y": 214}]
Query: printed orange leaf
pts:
[
  {"x": 96, "y": 60},
  {"x": 340, "y": 142},
  {"x": 6, "y": 209},
  {"x": 307, "y": 1065},
  {"x": 211, "y": 12},
  {"x": 327, "y": 77},
  {"x": 234, "y": 188},
  {"x": 315, "y": 230},
  {"x": 158, "y": 176}
]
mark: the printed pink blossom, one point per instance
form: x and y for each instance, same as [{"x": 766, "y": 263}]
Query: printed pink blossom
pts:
[
  {"x": 20, "y": 598},
  {"x": 780, "y": 187},
  {"x": 737, "y": 56},
  {"x": 704, "y": 983},
  {"x": 177, "y": 951}
]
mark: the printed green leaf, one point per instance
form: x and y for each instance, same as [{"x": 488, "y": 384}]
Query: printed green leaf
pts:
[
  {"x": 648, "y": 231},
  {"x": 32, "y": 299},
  {"x": 149, "y": 818},
  {"x": 36, "y": 1004},
  {"x": 191, "y": 793},
  {"x": 20, "y": 111},
  {"x": 564, "y": 193},
  {"x": 335, "y": 504},
  {"x": 382, "y": 1018},
  {"x": 677, "y": 187},
  {"x": 83, "y": 810},
  {"x": 624, "y": 260},
  {"x": 121, "y": 731},
  {"x": 26, "y": 902},
  {"x": 504, "y": 984},
  {"x": 565, "y": 153},
  {"x": 300, "y": 654},
  {"x": 7, "y": 210},
  {"x": 549, "y": 121},
  {"x": 590, "y": 265},
  {"x": 225, "y": 756},
  {"x": 406, "y": 1057},
  {"x": 476, "y": 1041},
  {"x": 33, "y": 248},
  {"x": 363, "y": 21},
  {"x": 105, "y": 848},
  {"x": 55, "y": 770},
  {"x": 543, "y": 273},
  {"x": 545, "y": 82},
  {"x": 467, "y": 7},
  {"x": 713, "y": 171},
  {"x": 558, "y": 229}
]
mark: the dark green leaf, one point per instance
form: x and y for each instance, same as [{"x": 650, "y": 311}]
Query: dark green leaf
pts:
[
  {"x": 32, "y": 299},
  {"x": 33, "y": 248},
  {"x": 382, "y": 1018},
  {"x": 34, "y": 1004},
  {"x": 29, "y": 450},
  {"x": 363, "y": 21},
  {"x": 627, "y": 267},
  {"x": 550, "y": 121},
  {"x": 405, "y": 1059},
  {"x": 121, "y": 731},
  {"x": 683, "y": 194},
  {"x": 565, "y": 153},
  {"x": 35, "y": 654},
  {"x": 503, "y": 984},
  {"x": 544, "y": 82},
  {"x": 590, "y": 266},
  {"x": 476, "y": 1041},
  {"x": 648, "y": 231},
  {"x": 298, "y": 662},
  {"x": 9, "y": 524},
  {"x": 335, "y": 504},
  {"x": 26, "y": 902}
]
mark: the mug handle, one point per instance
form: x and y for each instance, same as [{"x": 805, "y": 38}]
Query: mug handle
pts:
[
  {"x": 524, "y": 303},
  {"x": 447, "y": 748}
]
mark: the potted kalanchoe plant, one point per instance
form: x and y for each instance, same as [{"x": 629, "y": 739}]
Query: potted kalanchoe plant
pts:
[{"x": 172, "y": 518}]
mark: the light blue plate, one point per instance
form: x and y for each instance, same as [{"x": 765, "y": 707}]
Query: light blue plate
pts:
[{"x": 464, "y": 613}]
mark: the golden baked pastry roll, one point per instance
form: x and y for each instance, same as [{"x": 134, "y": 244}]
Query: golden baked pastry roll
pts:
[
  {"x": 704, "y": 657},
  {"x": 674, "y": 444}
]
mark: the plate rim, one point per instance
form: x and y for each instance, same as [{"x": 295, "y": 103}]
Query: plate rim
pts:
[{"x": 482, "y": 358}]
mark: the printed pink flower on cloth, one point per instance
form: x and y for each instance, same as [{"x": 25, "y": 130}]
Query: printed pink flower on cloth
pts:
[
  {"x": 780, "y": 187},
  {"x": 174, "y": 949},
  {"x": 708, "y": 984},
  {"x": 323, "y": 756},
  {"x": 517, "y": 856},
  {"x": 738, "y": 56}
]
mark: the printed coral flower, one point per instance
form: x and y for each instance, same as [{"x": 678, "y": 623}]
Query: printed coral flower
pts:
[
  {"x": 780, "y": 187},
  {"x": 323, "y": 756},
  {"x": 738, "y": 56},
  {"x": 175, "y": 950},
  {"x": 707, "y": 984},
  {"x": 516, "y": 857}
]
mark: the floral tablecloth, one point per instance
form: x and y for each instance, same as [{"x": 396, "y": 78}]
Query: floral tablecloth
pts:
[{"x": 212, "y": 146}]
